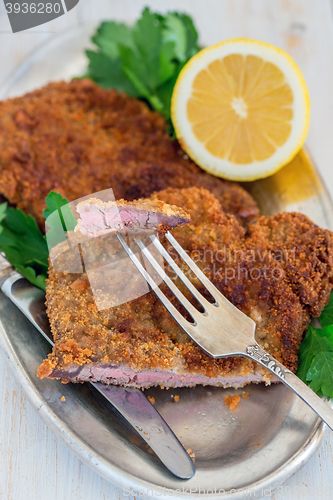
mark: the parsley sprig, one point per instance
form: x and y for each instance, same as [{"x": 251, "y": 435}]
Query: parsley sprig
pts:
[
  {"x": 23, "y": 243},
  {"x": 143, "y": 60},
  {"x": 316, "y": 355}
]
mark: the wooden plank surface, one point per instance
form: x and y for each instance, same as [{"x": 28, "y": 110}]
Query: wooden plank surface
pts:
[{"x": 37, "y": 465}]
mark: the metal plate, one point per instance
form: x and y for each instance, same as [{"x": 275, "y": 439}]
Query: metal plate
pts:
[{"x": 258, "y": 445}]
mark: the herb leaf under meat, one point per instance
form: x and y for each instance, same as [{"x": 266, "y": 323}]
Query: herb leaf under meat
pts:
[
  {"x": 24, "y": 244},
  {"x": 54, "y": 202},
  {"x": 59, "y": 219},
  {"x": 143, "y": 60}
]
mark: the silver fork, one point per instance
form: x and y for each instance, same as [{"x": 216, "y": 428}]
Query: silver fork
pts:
[{"x": 221, "y": 330}]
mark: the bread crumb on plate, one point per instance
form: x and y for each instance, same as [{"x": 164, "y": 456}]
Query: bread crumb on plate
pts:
[
  {"x": 232, "y": 402},
  {"x": 191, "y": 454}
]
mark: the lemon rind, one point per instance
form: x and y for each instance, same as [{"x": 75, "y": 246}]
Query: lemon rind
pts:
[{"x": 222, "y": 167}]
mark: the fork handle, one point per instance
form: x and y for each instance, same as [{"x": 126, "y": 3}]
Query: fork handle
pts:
[{"x": 320, "y": 406}]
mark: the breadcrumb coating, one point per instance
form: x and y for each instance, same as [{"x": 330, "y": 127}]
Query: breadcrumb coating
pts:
[
  {"x": 142, "y": 336},
  {"x": 77, "y": 138},
  {"x": 306, "y": 250}
]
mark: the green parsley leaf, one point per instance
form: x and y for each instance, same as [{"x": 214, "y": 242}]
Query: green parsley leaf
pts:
[
  {"x": 108, "y": 73},
  {"x": 142, "y": 90},
  {"x": 320, "y": 374},
  {"x": 59, "y": 218},
  {"x": 143, "y": 60},
  {"x": 175, "y": 32},
  {"x": 53, "y": 201},
  {"x": 3, "y": 211},
  {"x": 164, "y": 92},
  {"x": 326, "y": 317},
  {"x": 28, "y": 272},
  {"x": 316, "y": 342},
  {"x": 20, "y": 231},
  {"x": 316, "y": 354},
  {"x": 179, "y": 28},
  {"x": 110, "y": 35},
  {"x": 23, "y": 244},
  {"x": 152, "y": 59},
  {"x": 150, "y": 63},
  {"x": 306, "y": 353},
  {"x": 192, "y": 47}
]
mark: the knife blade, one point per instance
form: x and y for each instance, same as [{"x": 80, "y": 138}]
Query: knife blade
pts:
[{"x": 130, "y": 402}]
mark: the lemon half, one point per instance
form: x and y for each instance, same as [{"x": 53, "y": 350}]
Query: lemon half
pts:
[{"x": 241, "y": 109}]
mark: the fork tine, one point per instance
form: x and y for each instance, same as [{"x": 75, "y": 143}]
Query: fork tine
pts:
[
  {"x": 200, "y": 298},
  {"x": 216, "y": 294},
  {"x": 168, "y": 281},
  {"x": 226, "y": 317},
  {"x": 165, "y": 301}
]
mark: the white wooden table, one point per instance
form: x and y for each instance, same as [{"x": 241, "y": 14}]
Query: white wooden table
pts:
[{"x": 34, "y": 464}]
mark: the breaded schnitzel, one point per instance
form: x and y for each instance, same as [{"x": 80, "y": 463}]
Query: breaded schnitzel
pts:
[
  {"x": 139, "y": 344},
  {"x": 305, "y": 250},
  {"x": 77, "y": 138}
]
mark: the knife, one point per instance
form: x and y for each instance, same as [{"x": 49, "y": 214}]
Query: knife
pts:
[{"x": 130, "y": 402}]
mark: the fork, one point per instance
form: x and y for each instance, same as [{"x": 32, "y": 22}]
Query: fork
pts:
[{"x": 221, "y": 330}]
